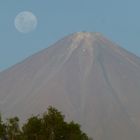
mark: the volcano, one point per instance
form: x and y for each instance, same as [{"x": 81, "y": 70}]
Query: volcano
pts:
[{"x": 90, "y": 79}]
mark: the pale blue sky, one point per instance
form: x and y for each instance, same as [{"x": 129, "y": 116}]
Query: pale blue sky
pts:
[{"x": 118, "y": 20}]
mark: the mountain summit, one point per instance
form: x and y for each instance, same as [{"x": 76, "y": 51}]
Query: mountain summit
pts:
[{"x": 90, "y": 79}]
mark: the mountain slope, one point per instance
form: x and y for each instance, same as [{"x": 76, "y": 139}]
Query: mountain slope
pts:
[{"x": 92, "y": 80}]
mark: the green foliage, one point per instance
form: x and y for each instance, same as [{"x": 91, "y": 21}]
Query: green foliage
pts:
[
  {"x": 50, "y": 126},
  {"x": 12, "y": 128},
  {"x": 53, "y": 122},
  {"x": 32, "y": 129},
  {"x": 2, "y": 128}
]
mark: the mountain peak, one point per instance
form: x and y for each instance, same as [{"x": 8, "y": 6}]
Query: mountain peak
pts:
[
  {"x": 83, "y": 39},
  {"x": 85, "y": 35}
]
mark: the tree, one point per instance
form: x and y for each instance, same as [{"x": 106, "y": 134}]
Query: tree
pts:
[
  {"x": 57, "y": 129},
  {"x": 32, "y": 129},
  {"x": 2, "y": 128},
  {"x": 73, "y": 132},
  {"x": 53, "y": 122},
  {"x": 50, "y": 126},
  {"x": 12, "y": 128}
]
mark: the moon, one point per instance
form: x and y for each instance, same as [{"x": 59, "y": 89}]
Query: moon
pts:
[{"x": 25, "y": 22}]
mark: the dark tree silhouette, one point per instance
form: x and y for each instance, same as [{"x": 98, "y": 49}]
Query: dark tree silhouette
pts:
[{"x": 50, "y": 126}]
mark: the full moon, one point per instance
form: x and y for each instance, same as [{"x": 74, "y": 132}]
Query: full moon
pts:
[{"x": 25, "y": 22}]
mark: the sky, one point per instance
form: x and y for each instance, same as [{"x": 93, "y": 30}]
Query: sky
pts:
[{"x": 118, "y": 20}]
